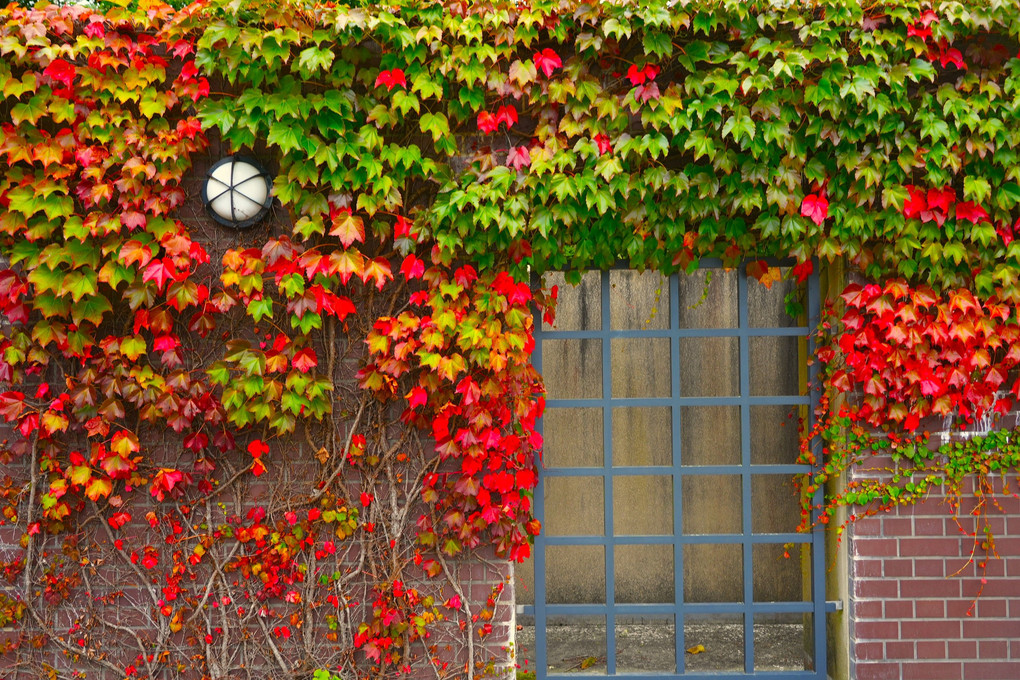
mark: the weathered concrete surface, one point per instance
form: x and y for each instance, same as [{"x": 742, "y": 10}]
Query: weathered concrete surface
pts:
[{"x": 649, "y": 648}]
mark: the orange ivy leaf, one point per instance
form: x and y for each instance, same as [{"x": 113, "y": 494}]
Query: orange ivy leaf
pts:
[
  {"x": 349, "y": 228},
  {"x": 98, "y": 487}
]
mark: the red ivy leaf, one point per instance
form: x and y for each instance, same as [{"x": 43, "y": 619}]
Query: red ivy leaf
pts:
[
  {"x": 758, "y": 269},
  {"x": 305, "y": 360},
  {"x": 61, "y": 71},
  {"x": 402, "y": 228},
  {"x": 816, "y": 208},
  {"x": 638, "y": 76},
  {"x": 915, "y": 203},
  {"x": 802, "y": 270},
  {"x": 487, "y": 122},
  {"x": 855, "y": 296},
  {"x": 391, "y": 79},
  {"x": 119, "y": 519},
  {"x": 95, "y": 29},
  {"x": 519, "y": 157},
  {"x": 647, "y": 93},
  {"x": 970, "y": 211},
  {"x": 927, "y": 17},
  {"x": 196, "y": 441},
  {"x": 412, "y": 267},
  {"x": 942, "y": 199},
  {"x": 257, "y": 447},
  {"x": 919, "y": 31},
  {"x": 183, "y": 48},
  {"x": 11, "y": 405},
  {"x": 547, "y": 61},
  {"x": 506, "y": 114},
  {"x": 417, "y": 397},
  {"x": 258, "y": 468},
  {"x": 132, "y": 219},
  {"x": 160, "y": 271}
]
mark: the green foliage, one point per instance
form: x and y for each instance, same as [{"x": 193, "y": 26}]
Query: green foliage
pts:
[{"x": 570, "y": 138}]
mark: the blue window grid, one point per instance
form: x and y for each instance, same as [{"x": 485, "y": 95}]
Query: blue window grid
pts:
[{"x": 814, "y": 540}]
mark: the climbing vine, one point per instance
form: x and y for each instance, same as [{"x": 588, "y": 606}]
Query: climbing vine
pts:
[{"x": 288, "y": 438}]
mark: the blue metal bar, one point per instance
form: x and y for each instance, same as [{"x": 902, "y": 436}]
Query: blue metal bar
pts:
[
  {"x": 678, "y": 505},
  {"x": 791, "y": 469},
  {"x": 607, "y": 462},
  {"x": 818, "y": 550},
  {"x": 686, "y": 470},
  {"x": 778, "y": 400},
  {"x": 745, "y": 460},
  {"x": 690, "y": 608},
  {"x": 538, "y": 556},
  {"x": 683, "y": 539},
  {"x": 805, "y": 607},
  {"x": 762, "y": 332}
]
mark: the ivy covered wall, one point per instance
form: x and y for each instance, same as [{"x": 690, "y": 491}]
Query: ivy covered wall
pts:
[{"x": 376, "y": 333}]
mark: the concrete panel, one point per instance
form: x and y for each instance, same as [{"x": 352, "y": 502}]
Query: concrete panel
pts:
[
  {"x": 575, "y": 574},
  {"x": 710, "y": 435},
  {"x": 643, "y": 505},
  {"x": 642, "y": 436},
  {"x": 573, "y": 437},
  {"x": 644, "y": 573},
  {"x": 713, "y": 572},
  {"x": 638, "y": 300},
  {"x": 577, "y": 307}
]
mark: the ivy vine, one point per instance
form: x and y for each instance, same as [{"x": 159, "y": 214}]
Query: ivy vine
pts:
[{"x": 430, "y": 157}]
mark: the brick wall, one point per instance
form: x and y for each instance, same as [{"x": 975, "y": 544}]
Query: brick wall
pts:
[
  {"x": 111, "y": 610},
  {"x": 920, "y": 608}
]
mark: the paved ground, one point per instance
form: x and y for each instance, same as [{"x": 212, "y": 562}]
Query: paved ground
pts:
[{"x": 649, "y": 647}]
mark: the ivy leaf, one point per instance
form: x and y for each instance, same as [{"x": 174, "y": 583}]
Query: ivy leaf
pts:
[
  {"x": 160, "y": 272},
  {"x": 152, "y": 104},
  {"x": 305, "y": 360},
  {"x": 523, "y": 72},
  {"x": 61, "y": 71},
  {"x": 518, "y": 157},
  {"x": 976, "y": 189},
  {"x": 547, "y": 61},
  {"x": 284, "y": 135},
  {"x": 968, "y": 210},
  {"x": 91, "y": 309},
  {"x": 816, "y": 208},
  {"x": 436, "y": 124},
  {"x": 260, "y": 309},
  {"x": 391, "y": 78},
  {"x": 29, "y": 111},
  {"x": 99, "y": 487},
  {"x": 738, "y": 125},
  {"x": 313, "y": 59},
  {"x": 347, "y": 263},
  {"x": 412, "y": 267},
  {"x": 379, "y": 271},
  {"x": 349, "y": 228},
  {"x": 79, "y": 283}
]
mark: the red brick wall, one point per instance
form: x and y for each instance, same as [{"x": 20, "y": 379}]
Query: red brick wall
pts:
[
  {"x": 114, "y": 595},
  {"x": 920, "y": 608}
]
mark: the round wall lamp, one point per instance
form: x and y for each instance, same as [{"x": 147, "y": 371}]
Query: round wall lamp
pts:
[{"x": 237, "y": 192}]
